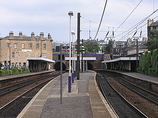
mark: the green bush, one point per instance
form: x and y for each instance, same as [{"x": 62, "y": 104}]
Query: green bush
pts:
[
  {"x": 5, "y": 72},
  {"x": 150, "y": 71},
  {"x": 155, "y": 73},
  {"x": 10, "y": 72},
  {"x": 148, "y": 63},
  {"x": 20, "y": 71},
  {"x": 13, "y": 71},
  {"x": 1, "y": 72},
  {"x": 139, "y": 70},
  {"x": 25, "y": 70},
  {"x": 142, "y": 70}
]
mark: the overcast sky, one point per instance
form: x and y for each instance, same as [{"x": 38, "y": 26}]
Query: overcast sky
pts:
[{"x": 51, "y": 16}]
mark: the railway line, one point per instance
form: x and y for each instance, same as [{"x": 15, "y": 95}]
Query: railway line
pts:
[
  {"x": 15, "y": 97},
  {"x": 149, "y": 95},
  {"x": 114, "y": 87},
  {"x": 126, "y": 98}
]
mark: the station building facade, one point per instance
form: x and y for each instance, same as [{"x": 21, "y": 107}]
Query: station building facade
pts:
[{"x": 15, "y": 50}]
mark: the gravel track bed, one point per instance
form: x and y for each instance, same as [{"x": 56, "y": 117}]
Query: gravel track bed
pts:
[{"x": 148, "y": 108}]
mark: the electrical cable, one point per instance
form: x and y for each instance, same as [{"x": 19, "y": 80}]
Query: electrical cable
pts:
[
  {"x": 91, "y": 21},
  {"x": 136, "y": 25},
  {"x": 101, "y": 19},
  {"x": 128, "y": 15}
]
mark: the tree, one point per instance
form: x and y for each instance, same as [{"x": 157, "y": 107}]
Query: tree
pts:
[
  {"x": 91, "y": 47},
  {"x": 153, "y": 40},
  {"x": 109, "y": 45}
]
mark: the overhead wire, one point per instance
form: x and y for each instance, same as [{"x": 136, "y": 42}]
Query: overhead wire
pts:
[
  {"x": 141, "y": 32},
  {"x": 128, "y": 16},
  {"x": 123, "y": 21},
  {"x": 136, "y": 25},
  {"x": 91, "y": 21},
  {"x": 101, "y": 19},
  {"x": 129, "y": 31}
]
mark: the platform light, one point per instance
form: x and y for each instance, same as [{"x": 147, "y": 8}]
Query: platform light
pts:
[
  {"x": 70, "y": 76},
  {"x": 73, "y": 61}
]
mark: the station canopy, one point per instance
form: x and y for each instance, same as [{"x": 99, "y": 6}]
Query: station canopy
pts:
[
  {"x": 40, "y": 59},
  {"x": 84, "y": 58},
  {"x": 121, "y": 59}
]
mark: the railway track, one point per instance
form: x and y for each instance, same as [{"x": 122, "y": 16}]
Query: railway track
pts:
[
  {"x": 139, "y": 97},
  {"x": 8, "y": 89},
  {"x": 153, "y": 97},
  {"x": 14, "y": 99},
  {"x": 118, "y": 103}
]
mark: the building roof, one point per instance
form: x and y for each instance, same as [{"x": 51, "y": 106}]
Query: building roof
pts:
[
  {"x": 22, "y": 37},
  {"x": 84, "y": 58},
  {"x": 40, "y": 59},
  {"x": 120, "y": 59},
  {"x": 154, "y": 24}
]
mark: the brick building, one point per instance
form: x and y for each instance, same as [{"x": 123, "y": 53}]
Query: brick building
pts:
[{"x": 14, "y": 50}]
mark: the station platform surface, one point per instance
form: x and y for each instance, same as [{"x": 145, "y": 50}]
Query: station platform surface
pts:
[
  {"x": 142, "y": 76},
  {"x": 7, "y": 77},
  {"x": 84, "y": 100}
]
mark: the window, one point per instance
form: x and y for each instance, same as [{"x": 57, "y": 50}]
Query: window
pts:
[
  {"x": 19, "y": 64},
  {"x": 30, "y": 45},
  {"x": 44, "y": 55},
  {"x": 24, "y": 65},
  {"x": 37, "y": 45},
  {"x": 22, "y": 45},
  {"x": 12, "y": 66},
  {"x": 8, "y": 45},
  {"x": 44, "y": 46},
  {"x": 13, "y": 54},
  {"x": 15, "y": 45}
]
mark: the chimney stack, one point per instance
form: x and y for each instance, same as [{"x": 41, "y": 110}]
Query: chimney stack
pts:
[
  {"x": 150, "y": 22},
  {"x": 20, "y": 34},
  {"x": 32, "y": 35},
  {"x": 11, "y": 33},
  {"x": 41, "y": 35},
  {"x": 49, "y": 36}
]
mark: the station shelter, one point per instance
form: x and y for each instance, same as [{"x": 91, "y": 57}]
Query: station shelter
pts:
[
  {"x": 37, "y": 64},
  {"x": 121, "y": 64}
]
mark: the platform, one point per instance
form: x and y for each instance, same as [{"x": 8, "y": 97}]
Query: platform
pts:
[
  {"x": 84, "y": 101},
  {"x": 140, "y": 76}
]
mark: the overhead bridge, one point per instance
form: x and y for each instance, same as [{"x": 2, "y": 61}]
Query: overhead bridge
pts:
[{"x": 84, "y": 62}]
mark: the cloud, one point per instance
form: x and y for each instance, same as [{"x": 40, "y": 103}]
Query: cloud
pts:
[{"x": 51, "y": 16}]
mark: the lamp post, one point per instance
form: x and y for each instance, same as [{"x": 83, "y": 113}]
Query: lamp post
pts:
[
  {"x": 81, "y": 56},
  {"x": 137, "y": 53},
  {"x": 73, "y": 62},
  {"x": 78, "y": 47},
  {"x": 137, "y": 48},
  {"x": 82, "y": 61},
  {"x": 69, "y": 77},
  {"x": 61, "y": 71}
]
